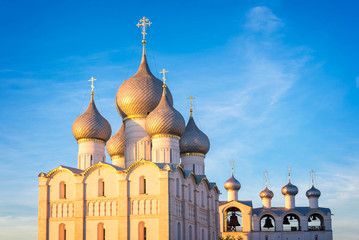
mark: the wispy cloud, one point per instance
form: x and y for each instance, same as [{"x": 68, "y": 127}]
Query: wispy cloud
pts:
[{"x": 262, "y": 19}]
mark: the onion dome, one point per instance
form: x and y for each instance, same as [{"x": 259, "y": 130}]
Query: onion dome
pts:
[
  {"x": 164, "y": 119},
  {"x": 116, "y": 145},
  {"x": 140, "y": 94},
  {"x": 289, "y": 189},
  {"x": 232, "y": 184},
  {"x": 266, "y": 193},
  {"x": 91, "y": 124},
  {"x": 313, "y": 192},
  {"x": 194, "y": 140}
]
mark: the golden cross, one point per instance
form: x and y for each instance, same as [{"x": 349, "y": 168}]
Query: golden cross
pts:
[
  {"x": 92, "y": 80},
  {"x": 312, "y": 172},
  {"x": 232, "y": 162},
  {"x": 164, "y": 76},
  {"x": 143, "y": 24},
  {"x": 289, "y": 173},
  {"x": 266, "y": 176}
]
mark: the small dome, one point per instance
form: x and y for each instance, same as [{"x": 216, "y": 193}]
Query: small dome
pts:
[
  {"x": 313, "y": 192},
  {"x": 91, "y": 125},
  {"x": 266, "y": 193},
  {"x": 232, "y": 184},
  {"x": 165, "y": 119},
  {"x": 116, "y": 145},
  {"x": 140, "y": 94},
  {"x": 289, "y": 189},
  {"x": 194, "y": 140}
]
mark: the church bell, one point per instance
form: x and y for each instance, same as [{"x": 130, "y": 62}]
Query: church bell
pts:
[
  {"x": 233, "y": 221},
  {"x": 268, "y": 223},
  {"x": 286, "y": 221}
]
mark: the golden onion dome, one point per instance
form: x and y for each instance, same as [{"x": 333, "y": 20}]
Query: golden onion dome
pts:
[
  {"x": 91, "y": 124},
  {"x": 165, "y": 119},
  {"x": 313, "y": 192},
  {"x": 116, "y": 145},
  {"x": 140, "y": 94},
  {"x": 289, "y": 189},
  {"x": 193, "y": 139},
  {"x": 232, "y": 184},
  {"x": 266, "y": 193}
]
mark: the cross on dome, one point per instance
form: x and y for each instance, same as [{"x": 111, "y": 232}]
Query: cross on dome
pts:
[
  {"x": 266, "y": 177},
  {"x": 232, "y": 163},
  {"x": 164, "y": 76},
  {"x": 191, "y": 104},
  {"x": 92, "y": 86},
  {"x": 143, "y": 23}
]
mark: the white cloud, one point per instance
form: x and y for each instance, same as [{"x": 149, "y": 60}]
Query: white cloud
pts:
[{"x": 262, "y": 19}]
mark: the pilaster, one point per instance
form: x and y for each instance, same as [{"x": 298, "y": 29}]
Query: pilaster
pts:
[
  {"x": 165, "y": 210},
  {"x": 42, "y": 232},
  {"x": 80, "y": 211},
  {"x": 124, "y": 209}
]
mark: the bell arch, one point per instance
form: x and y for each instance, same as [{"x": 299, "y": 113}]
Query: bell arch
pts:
[
  {"x": 267, "y": 223},
  {"x": 291, "y": 223},
  {"x": 233, "y": 219},
  {"x": 316, "y": 222}
]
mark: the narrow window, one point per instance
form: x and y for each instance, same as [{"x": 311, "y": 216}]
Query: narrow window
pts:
[
  {"x": 177, "y": 188},
  {"x": 202, "y": 234},
  {"x": 62, "y": 190},
  {"x": 142, "y": 231},
  {"x": 91, "y": 161},
  {"x": 143, "y": 183},
  {"x": 316, "y": 237},
  {"x": 101, "y": 188},
  {"x": 62, "y": 232},
  {"x": 202, "y": 198},
  {"x": 190, "y": 232},
  {"x": 194, "y": 168},
  {"x": 178, "y": 231},
  {"x": 266, "y": 237},
  {"x": 189, "y": 192},
  {"x": 101, "y": 232}
]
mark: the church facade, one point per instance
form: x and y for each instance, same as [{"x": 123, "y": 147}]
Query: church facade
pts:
[{"x": 155, "y": 186}]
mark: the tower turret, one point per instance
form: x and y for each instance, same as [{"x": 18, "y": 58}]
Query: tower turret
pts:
[
  {"x": 91, "y": 131},
  {"x": 289, "y": 191},
  {"x": 232, "y": 186},
  {"x": 266, "y": 194},
  {"x": 313, "y": 194}
]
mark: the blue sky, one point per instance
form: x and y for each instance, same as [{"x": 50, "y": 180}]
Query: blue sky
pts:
[{"x": 276, "y": 85}]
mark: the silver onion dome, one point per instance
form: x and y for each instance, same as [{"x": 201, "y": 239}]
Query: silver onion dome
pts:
[
  {"x": 165, "y": 119},
  {"x": 266, "y": 193},
  {"x": 91, "y": 124},
  {"x": 289, "y": 189},
  {"x": 193, "y": 139},
  {"x": 232, "y": 184},
  {"x": 313, "y": 192},
  {"x": 116, "y": 145},
  {"x": 140, "y": 94}
]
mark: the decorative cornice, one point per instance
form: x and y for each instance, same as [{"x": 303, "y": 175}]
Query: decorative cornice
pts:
[
  {"x": 142, "y": 161},
  {"x": 89, "y": 140},
  {"x": 59, "y": 169},
  {"x": 134, "y": 116},
  {"x": 193, "y": 154},
  {"x": 99, "y": 164},
  {"x": 165, "y": 136}
]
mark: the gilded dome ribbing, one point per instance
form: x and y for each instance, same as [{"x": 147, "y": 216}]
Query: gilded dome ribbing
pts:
[
  {"x": 194, "y": 140},
  {"x": 140, "y": 94},
  {"x": 232, "y": 184},
  {"x": 91, "y": 124},
  {"x": 165, "y": 119},
  {"x": 289, "y": 189},
  {"x": 116, "y": 145},
  {"x": 266, "y": 193},
  {"x": 313, "y": 192}
]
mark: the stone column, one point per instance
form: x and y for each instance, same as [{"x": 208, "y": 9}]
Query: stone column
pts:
[
  {"x": 124, "y": 210},
  {"x": 43, "y": 211},
  {"x": 165, "y": 211},
  {"x": 80, "y": 213}
]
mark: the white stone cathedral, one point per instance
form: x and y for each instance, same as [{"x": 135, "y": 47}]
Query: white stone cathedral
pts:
[{"x": 156, "y": 186}]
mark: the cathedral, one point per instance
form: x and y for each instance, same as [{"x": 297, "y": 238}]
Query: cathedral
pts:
[{"x": 155, "y": 186}]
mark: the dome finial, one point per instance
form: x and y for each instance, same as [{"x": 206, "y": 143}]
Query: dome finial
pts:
[
  {"x": 289, "y": 173},
  {"x": 92, "y": 86},
  {"x": 164, "y": 77},
  {"x": 232, "y": 163},
  {"x": 312, "y": 173},
  {"x": 266, "y": 177},
  {"x": 143, "y": 24},
  {"x": 191, "y": 104}
]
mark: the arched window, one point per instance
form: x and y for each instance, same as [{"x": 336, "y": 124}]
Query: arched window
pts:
[
  {"x": 143, "y": 187},
  {"x": 190, "y": 232},
  {"x": 178, "y": 231},
  {"x": 142, "y": 231},
  {"x": 101, "y": 187},
  {"x": 316, "y": 222},
  {"x": 267, "y": 223},
  {"x": 189, "y": 192},
  {"x": 62, "y": 232},
  {"x": 233, "y": 220},
  {"x": 62, "y": 190},
  {"x": 101, "y": 232},
  {"x": 291, "y": 223},
  {"x": 91, "y": 161}
]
